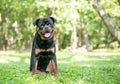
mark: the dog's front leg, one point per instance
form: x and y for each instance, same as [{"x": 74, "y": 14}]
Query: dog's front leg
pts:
[
  {"x": 55, "y": 70},
  {"x": 34, "y": 69}
]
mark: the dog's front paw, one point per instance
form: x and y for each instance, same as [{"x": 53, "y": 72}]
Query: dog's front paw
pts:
[{"x": 56, "y": 75}]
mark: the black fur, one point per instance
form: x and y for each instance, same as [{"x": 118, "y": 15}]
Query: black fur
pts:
[{"x": 44, "y": 25}]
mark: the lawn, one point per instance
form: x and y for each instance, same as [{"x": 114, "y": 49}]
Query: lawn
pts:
[{"x": 96, "y": 67}]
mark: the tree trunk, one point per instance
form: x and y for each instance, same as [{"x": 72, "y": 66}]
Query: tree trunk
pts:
[
  {"x": 106, "y": 20},
  {"x": 87, "y": 43},
  {"x": 74, "y": 21},
  {"x": 74, "y": 38}
]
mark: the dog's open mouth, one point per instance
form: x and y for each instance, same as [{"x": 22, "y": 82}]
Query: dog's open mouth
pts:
[{"x": 47, "y": 35}]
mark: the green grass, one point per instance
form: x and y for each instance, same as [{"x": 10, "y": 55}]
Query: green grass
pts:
[{"x": 96, "y": 67}]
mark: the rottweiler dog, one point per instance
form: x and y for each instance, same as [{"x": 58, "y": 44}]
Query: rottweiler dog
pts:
[{"x": 43, "y": 54}]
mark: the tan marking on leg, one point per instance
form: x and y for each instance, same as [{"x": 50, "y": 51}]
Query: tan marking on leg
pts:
[
  {"x": 38, "y": 72},
  {"x": 34, "y": 70},
  {"x": 55, "y": 70},
  {"x": 49, "y": 67}
]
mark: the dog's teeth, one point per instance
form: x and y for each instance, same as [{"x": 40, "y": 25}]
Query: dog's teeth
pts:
[{"x": 47, "y": 35}]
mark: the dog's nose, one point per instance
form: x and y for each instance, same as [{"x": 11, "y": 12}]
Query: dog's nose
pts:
[{"x": 46, "y": 27}]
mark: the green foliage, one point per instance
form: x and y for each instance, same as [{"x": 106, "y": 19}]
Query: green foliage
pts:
[
  {"x": 95, "y": 67},
  {"x": 69, "y": 13}
]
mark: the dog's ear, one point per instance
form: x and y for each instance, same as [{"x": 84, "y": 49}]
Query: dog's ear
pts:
[
  {"x": 53, "y": 19},
  {"x": 35, "y": 23}
]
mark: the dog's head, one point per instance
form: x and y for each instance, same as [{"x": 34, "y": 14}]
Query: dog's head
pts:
[{"x": 45, "y": 27}]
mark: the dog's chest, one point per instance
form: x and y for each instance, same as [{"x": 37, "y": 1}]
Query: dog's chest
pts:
[
  {"x": 48, "y": 46},
  {"x": 45, "y": 44}
]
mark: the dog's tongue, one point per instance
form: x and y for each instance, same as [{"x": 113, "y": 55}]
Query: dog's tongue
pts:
[{"x": 47, "y": 35}]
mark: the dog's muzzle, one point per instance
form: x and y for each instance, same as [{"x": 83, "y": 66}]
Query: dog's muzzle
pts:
[{"x": 46, "y": 33}]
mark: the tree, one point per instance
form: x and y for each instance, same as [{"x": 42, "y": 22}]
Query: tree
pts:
[
  {"x": 78, "y": 24},
  {"x": 73, "y": 22},
  {"x": 106, "y": 20}
]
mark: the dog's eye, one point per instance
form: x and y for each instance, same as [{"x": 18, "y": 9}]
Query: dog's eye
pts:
[
  {"x": 48, "y": 23},
  {"x": 42, "y": 25}
]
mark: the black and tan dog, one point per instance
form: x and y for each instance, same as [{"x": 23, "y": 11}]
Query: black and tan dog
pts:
[{"x": 43, "y": 55}]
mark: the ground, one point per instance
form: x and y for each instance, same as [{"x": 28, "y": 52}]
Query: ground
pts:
[{"x": 96, "y": 67}]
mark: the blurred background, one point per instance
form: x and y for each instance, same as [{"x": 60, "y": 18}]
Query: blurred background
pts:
[{"x": 79, "y": 24}]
